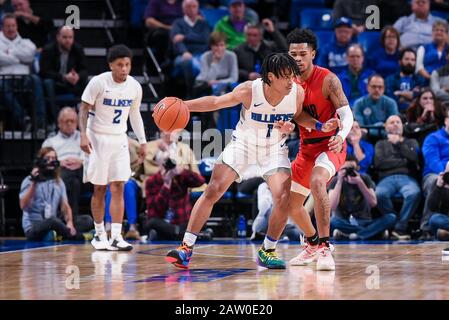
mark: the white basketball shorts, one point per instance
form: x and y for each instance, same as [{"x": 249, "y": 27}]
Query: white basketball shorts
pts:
[{"x": 109, "y": 159}]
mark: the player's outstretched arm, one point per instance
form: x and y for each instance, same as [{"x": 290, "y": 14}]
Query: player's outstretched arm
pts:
[{"x": 211, "y": 103}]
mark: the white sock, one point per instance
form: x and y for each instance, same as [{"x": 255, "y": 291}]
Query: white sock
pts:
[
  {"x": 99, "y": 228},
  {"x": 189, "y": 238},
  {"x": 116, "y": 230},
  {"x": 269, "y": 243}
]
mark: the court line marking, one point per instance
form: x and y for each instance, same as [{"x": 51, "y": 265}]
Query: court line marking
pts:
[
  {"x": 196, "y": 252},
  {"x": 30, "y": 249}
]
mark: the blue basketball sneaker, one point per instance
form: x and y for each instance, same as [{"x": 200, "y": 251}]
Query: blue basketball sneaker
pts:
[{"x": 180, "y": 257}]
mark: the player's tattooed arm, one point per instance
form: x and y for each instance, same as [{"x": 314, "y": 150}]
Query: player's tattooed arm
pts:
[
  {"x": 335, "y": 91},
  {"x": 241, "y": 94},
  {"x": 83, "y": 115}
]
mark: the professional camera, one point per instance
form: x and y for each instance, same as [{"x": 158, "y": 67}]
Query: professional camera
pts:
[
  {"x": 47, "y": 170},
  {"x": 169, "y": 164},
  {"x": 446, "y": 178},
  {"x": 350, "y": 172}
]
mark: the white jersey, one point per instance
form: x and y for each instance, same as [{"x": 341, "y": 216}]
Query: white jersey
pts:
[
  {"x": 112, "y": 102},
  {"x": 256, "y": 123}
]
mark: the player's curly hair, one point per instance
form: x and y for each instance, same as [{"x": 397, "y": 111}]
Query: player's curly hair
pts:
[
  {"x": 303, "y": 36},
  {"x": 281, "y": 65},
  {"x": 118, "y": 51}
]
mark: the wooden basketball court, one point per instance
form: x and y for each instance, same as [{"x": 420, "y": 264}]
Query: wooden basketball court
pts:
[{"x": 223, "y": 270}]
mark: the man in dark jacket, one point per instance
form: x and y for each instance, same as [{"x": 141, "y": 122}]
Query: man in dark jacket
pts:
[
  {"x": 63, "y": 66},
  {"x": 251, "y": 53},
  {"x": 396, "y": 162}
]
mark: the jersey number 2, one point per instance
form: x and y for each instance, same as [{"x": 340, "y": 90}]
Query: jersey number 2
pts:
[
  {"x": 270, "y": 127},
  {"x": 117, "y": 113}
]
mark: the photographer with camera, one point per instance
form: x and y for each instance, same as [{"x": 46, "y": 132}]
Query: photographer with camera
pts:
[
  {"x": 42, "y": 195},
  {"x": 352, "y": 197},
  {"x": 439, "y": 206},
  {"x": 168, "y": 200}
]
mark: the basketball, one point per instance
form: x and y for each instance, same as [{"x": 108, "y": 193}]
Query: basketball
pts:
[{"x": 171, "y": 114}]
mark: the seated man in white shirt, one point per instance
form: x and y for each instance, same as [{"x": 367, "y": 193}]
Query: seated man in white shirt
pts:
[{"x": 67, "y": 146}]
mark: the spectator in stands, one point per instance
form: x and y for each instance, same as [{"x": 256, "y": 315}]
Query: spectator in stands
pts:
[
  {"x": 424, "y": 115},
  {"x": 438, "y": 204},
  {"x": 16, "y": 57},
  {"x": 159, "y": 16},
  {"x": 170, "y": 146},
  {"x": 333, "y": 54},
  {"x": 32, "y": 24},
  {"x": 168, "y": 200},
  {"x": 385, "y": 60},
  {"x": 396, "y": 162},
  {"x": 374, "y": 108},
  {"x": 232, "y": 26},
  {"x": 190, "y": 37},
  {"x": 416, "y": 29},
  {"x": 219, "y": 67},
  {"x": 361, "y": 149},
  {"x": 432, "y": 56},
  {"x": 436, "y": 155},
  {"x": 352, "y": 196},
  {"x": 219, "y": 74},
  {"x": 355, "y": 77},
  {"x": 66, "y": 143},
  {"x": 42, "y": 197},
  {"x": 131, "y": 194},
  {"x": 265, "y": 207},
  {"x": 251, "y": 53},
  {"x": 354, "y": 10},
  {"x": 439, "y": 82},
  {"x": 63, "y": 67},
  {"x": 404, "y": 86}
]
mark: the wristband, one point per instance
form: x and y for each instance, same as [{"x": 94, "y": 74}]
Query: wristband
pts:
[{"x": 318, "y": 126}]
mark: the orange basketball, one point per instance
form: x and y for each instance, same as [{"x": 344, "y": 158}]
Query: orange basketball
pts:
[{"x": 171, "y": 114}]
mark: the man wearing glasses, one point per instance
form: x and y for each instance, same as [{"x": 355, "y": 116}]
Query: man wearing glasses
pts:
[
  {"x": 67, "y": 146},
  {"x": 375, "y": 108}
]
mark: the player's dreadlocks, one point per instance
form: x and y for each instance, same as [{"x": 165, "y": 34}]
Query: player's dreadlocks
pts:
[
  {"x": 281, "y": 65},
  {"x": 302, "y": 36}
]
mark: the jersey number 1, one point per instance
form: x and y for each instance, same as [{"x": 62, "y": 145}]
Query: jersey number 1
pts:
[
  {"x": 270, "y": 127},
  {"x": 117, "y": 113}
]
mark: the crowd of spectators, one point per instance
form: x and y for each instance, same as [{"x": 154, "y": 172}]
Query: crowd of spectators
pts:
[{"x": 398, "y": 148}]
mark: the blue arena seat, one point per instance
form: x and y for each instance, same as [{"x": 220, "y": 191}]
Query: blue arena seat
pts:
[
  {"x": 298, "y": 5},
  {"x": 324, "y": 36},
  {"x": 369, "y": 40},
  {"x": 213, "y": 15},
  {"x": 442, "y": 14},
  {"x": 316, "y": 19}
]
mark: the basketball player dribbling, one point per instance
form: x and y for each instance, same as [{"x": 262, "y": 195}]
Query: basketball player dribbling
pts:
[
  {"x": 269, "y": 104},
  {"x": 107, "y": 101},
  {"x": 321, "y": 154}
]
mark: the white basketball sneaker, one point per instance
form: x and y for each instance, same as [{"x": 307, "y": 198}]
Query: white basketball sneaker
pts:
[
  {"x": 118, "y": 244},
  {"x": 100, "y": 242},
  {"x": 306, "y": 257},
  {"x": 325, "y": 261}
]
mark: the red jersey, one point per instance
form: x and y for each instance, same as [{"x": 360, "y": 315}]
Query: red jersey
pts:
[{"x": 315, "y": 104}]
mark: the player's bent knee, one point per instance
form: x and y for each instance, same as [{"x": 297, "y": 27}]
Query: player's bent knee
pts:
[
  {"x": 213, "y": 192},
  {"x": 317, "y": 184},
  {"x": 282, "y": 201}
]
